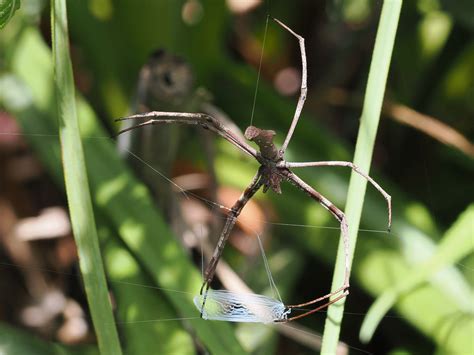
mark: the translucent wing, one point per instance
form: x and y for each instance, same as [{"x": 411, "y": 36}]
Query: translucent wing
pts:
[{"x": 241, "y": 307}]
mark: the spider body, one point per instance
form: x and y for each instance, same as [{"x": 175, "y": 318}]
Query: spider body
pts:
[
  {"x": 272, "y": 171},
  {"x": 269, "y": 157}
]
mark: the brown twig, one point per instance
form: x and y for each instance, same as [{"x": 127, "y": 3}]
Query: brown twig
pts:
[{"x": 410, "y": 117}]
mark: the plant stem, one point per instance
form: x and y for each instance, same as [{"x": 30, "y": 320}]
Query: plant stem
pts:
[{"x": 362, "y": 158}]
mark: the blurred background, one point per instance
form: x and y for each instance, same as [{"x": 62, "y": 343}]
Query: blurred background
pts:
[{"x": 204, "y": 56}]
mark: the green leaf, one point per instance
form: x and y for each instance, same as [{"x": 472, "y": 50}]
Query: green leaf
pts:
[
  {"x": 14, "y": 341},
  {"x": 7, "y": 10},
  {"x": 140, "y": 309},
  {"x": 455, "y": 245}
]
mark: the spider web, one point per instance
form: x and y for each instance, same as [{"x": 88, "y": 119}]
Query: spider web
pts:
[
  {"x": 220, "y": 207},
  {"x": 213, "y": 205}
]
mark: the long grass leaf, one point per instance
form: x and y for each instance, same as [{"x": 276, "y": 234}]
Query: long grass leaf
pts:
[
  {"x": 363, "y": 155},
  {"x": 77, "y": 187}
]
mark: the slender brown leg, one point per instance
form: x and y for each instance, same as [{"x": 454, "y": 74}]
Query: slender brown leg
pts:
[
  {"x": 339, "y": 215},
  {"x": 354, "y": 167},
  {"x": 327, "y": 304},
  {"x": 254, "y": 186},
  {"x": 303, "y": 89},
  {"x": 199, "y": 119}
]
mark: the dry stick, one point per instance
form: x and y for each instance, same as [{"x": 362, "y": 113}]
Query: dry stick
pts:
[
  {"x": 429, "y": 125},
  {"x": 155, "y": 91}
]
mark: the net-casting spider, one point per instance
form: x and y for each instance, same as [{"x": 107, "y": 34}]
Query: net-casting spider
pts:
[{"x": 272, "y": 171}]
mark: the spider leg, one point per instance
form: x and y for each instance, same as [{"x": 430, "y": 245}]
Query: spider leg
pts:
[
  {"x": 354, "y": 167},
  {"x": 327, "y": 304},
  {"x": 253, "y": 187},
  {"x": 303, "y": 90},
  {"x": 339, "y": 215},
  {"x": 199, "y": 119}
]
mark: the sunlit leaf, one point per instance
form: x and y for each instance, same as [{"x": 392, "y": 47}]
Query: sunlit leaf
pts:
[{"x": 455, "y": 245}]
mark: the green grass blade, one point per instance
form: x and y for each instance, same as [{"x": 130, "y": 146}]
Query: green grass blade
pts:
[
  {"x": 77, "y": 187},
  {"x": 363, "y": 155},
  {"x": 455, "y": 245}
]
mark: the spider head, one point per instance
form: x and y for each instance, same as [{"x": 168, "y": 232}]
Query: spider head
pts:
[{"x": 264, "y": 139}]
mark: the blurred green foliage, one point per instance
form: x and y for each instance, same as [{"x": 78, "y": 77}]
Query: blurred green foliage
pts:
[{"x": 430, "y": 183}]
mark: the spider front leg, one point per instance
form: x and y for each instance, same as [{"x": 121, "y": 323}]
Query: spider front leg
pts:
[
  {"x": 198, "y": 119},
  {"x": 354, "y": 167},
  {"x": 303, "y": 89},
  {"x": 254, "y": 186}
]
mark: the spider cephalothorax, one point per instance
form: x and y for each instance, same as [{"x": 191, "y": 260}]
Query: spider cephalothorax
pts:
[
  {"x": 269, "y": 157},
  {"x": 264, "y": 139}
]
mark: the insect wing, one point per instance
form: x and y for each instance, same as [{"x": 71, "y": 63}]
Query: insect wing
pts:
[{"x": 236, "y": 307}]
